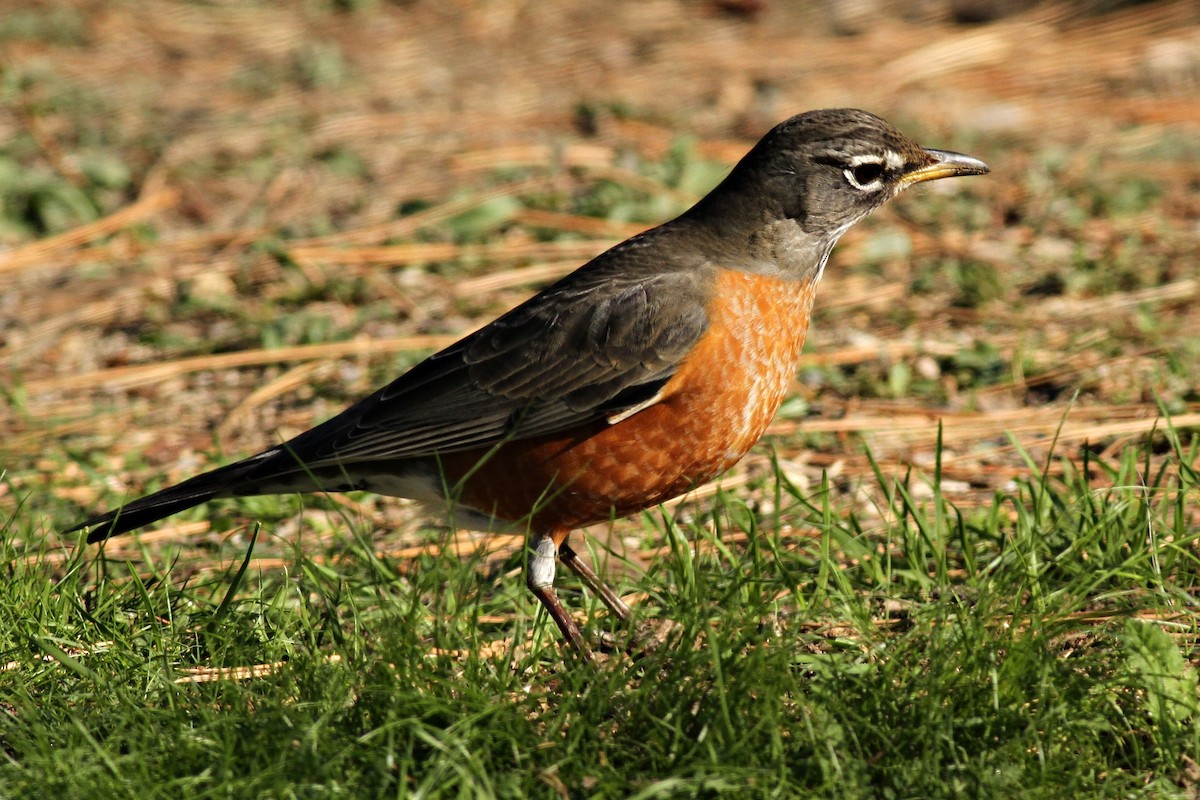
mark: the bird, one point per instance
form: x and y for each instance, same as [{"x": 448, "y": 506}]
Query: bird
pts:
[{"x": 646, "y": 372}]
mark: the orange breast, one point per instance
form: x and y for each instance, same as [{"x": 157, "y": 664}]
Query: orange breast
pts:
[{"x": 711, "y": 412}]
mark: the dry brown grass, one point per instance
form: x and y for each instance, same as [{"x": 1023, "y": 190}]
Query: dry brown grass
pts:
[{"x": 116, "y": 339}]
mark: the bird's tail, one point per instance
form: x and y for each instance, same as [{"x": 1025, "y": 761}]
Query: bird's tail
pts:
[{"x": 229, "y": 481}]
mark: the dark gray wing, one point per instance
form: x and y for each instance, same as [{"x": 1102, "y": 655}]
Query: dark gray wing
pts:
[
  {"x": 592, "y": 346},
  {"x": 601, "y": 341}
]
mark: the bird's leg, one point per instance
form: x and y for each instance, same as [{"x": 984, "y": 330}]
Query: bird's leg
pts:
[
  {"x": 644, "y": 639},
  {"x": 593, "y": 581},
  {"x": 539, "y": 577}
]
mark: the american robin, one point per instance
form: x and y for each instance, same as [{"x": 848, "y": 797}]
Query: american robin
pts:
[{"x": 646, "y": 372}]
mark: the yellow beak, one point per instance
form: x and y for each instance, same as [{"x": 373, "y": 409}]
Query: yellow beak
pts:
[{"x": 944, "y": 164}]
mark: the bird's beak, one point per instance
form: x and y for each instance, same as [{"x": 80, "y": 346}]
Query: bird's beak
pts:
[{"x": 944, "y": 164}]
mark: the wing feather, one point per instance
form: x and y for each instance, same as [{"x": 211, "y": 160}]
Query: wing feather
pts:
[{"x": 598, "y": 343}]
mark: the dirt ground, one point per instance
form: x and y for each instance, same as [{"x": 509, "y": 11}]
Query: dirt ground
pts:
[{"x": 189, "y": 187}]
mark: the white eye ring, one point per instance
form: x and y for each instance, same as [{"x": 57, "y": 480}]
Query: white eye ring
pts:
[{"x": 865, "y": 174}]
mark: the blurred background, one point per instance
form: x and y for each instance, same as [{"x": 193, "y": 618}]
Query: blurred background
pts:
[{"x": 219, "y": 222}]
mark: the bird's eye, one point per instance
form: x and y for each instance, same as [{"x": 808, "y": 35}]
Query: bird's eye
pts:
[{"x": 864, "y": 174}]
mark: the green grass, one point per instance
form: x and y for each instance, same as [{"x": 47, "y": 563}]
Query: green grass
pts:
[
  {"x": 864, "y": 636},
  {"x": 1002, "y": 624},
  {"x": 1028, "y": 646}
]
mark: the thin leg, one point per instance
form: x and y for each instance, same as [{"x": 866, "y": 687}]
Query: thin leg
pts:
[
  {"x": 539, "y": 577},
  {"x": 610, "y": 598}
]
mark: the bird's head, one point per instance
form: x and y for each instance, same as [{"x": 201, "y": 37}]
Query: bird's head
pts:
[
  {"x": 828, "y": 169},
  {"x": 815, "y": 175}
]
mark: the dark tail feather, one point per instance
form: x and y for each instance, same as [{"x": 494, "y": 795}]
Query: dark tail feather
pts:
[{"x": 227, "y": 481}]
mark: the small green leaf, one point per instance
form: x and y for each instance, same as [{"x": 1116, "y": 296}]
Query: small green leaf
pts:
[{"x": 1155, "y": 662}]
